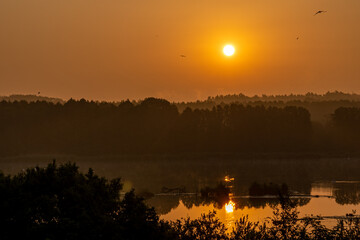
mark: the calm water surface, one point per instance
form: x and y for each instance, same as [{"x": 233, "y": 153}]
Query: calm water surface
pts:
[
  {"x": 328, "y": 199},
  {"x": 330, "y": 186}
]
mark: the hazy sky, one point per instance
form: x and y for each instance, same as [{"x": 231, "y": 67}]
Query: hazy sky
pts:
[{"x": 117, "y": 49}]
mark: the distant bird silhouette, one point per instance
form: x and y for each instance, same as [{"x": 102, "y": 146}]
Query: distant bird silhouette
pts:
[
  {"x": 183, "y": 56},
  {"x": 297, "y": 38},
  {"x": 38, "y": 93},
  {"x": 318, "y": 12}
]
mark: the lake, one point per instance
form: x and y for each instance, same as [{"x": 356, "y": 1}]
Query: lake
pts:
[
  {"x": 326, "y": 186},
  {"x": 328, "y": 199}
]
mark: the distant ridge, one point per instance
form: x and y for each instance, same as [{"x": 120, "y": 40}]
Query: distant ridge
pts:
[
  {"x": 30, "y": 98},
  {"x": 320, "y": 106},
  {"x": 218, "y": 99},
  {"x": 308, "y": 97}
]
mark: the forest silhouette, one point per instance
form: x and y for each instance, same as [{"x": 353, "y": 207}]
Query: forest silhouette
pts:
[{"x": 156, "y": 126}]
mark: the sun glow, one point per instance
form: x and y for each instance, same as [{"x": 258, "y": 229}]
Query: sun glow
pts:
[
  {"x": 229, "y": 207},
  {"x": 229, "y": 50}
]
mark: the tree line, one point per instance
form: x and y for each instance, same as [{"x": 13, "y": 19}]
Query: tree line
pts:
[{"x": 156, "y": 126}]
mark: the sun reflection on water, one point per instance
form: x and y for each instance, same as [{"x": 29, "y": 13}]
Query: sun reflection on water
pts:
[
  {"x": 230, "y": 217},
  {"x": 229, "y": 207}
]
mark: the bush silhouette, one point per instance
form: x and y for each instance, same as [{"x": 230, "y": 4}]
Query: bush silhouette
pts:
[{"x": 59, "y": 202}]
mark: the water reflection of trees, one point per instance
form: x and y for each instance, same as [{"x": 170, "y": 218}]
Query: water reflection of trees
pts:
[
  {"x": 241, "y": 203},
  {"x": 191, "y": 201},
  {"x": 347, "y": 193},
  {"x": 164, "y": 204},
  {"x": 257, "y": 189}
]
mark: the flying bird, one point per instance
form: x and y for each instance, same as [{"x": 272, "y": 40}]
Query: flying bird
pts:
[
  {"x": 38, "y": 93},
  {"x": 318, "y": 12},
  {"x": 183, "y": 56},
  {"x": 297, "y": 38}
]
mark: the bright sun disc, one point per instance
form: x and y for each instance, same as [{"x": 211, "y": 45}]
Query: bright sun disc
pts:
[{"x": 229, "y": 50}]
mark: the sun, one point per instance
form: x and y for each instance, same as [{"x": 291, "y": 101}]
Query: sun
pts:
[{"x": 229, "y": 50}]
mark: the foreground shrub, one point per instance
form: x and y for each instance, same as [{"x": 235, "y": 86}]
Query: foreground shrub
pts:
[
  {"x": 59, "y": 202},
  {"x": 208, "y": 226}
]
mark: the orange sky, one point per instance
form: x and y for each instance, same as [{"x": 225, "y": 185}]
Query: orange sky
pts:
[{"x": 117, "y": 49}]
